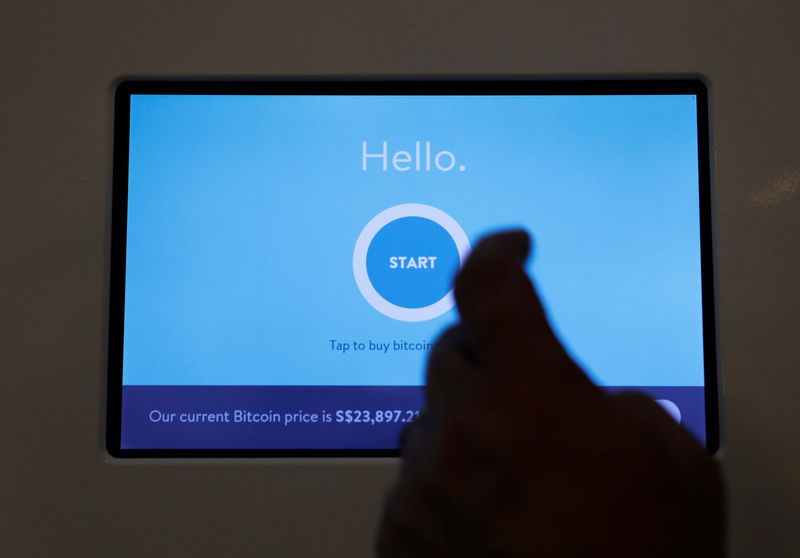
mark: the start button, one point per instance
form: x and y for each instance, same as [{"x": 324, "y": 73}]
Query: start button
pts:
[{"x": 405, "y": 260}]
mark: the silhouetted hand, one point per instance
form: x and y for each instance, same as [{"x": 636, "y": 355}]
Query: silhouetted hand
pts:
[{"x": 519, "y": 454}]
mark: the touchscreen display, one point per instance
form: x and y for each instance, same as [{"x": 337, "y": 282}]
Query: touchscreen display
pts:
[{"x": 283, "y": 253}]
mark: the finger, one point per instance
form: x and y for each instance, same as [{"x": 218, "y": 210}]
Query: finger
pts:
[
  {"x": 452, "y": 375},
  {"x": 496, "y": 299},
  {"x": 501, "y": 311}
]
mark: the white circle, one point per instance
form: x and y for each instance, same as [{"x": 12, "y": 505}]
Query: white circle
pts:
[
  {"x": 671, "y": 408},
  {"x": 360, "y": 260}
]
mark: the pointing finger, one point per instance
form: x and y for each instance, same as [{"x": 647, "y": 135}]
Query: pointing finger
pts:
[
  {"x": 501, "y": 311},
  {"x": 452, "y": 377}
]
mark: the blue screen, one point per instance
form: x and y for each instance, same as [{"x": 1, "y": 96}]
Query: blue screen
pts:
[{"x": 292, "y": 256}]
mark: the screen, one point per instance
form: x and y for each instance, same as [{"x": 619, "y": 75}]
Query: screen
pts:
[{"x": 283, "y": 255}]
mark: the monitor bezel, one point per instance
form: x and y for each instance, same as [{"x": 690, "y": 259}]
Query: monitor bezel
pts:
[{"x": 385, "y": 86}]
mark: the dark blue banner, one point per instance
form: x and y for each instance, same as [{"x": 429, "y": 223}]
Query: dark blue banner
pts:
[{"x": 306, "y": 417}]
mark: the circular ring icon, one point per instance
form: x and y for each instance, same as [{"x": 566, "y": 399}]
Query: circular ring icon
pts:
[{"x": 362, "y": 247}]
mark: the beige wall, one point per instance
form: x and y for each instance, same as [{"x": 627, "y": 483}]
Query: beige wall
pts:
[{"x": 57, "y": 60}]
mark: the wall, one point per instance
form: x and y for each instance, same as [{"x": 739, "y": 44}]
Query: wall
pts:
[{"x": 58, "y": 59}]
